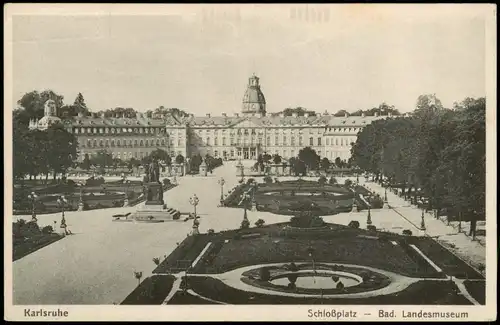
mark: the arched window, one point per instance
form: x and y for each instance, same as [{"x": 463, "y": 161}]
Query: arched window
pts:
[
  {"x": 208, "y": 141},
  {"x": 101, "y": 143},
  {"x": 107, "y": 142},
  {"x": 163, "y": 142},
  {"x": 147, "y": 142},
  {"x": 135, "y": 143},
  {"x": 142, "y": 143},
  {"x": 89, "y": 143},
  {"x": 158, "y": 142},
  {"x": 118, "y": 143},
  {"x": 112, "y": 143},
  {"x": 311, "y": 141}
]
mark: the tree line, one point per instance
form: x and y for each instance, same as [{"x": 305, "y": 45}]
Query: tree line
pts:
[{"x": 437, "y": 153}]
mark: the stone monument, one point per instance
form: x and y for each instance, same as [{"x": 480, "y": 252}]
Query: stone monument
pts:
[
  {"x": 154, "y": 209},
  {"x": 203, "y": 168}
]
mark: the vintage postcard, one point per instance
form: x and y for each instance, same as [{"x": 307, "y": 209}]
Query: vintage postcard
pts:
[{"x": 284, "y": 162}]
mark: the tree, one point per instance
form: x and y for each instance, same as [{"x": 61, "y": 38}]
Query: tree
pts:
[
  {"x": 33, "y": 103},
  {"x": 325, "y": 164},
  {"x": 63, "y": 149},
  {"x": 80, "y": 101},
  {"x": 266, "y": 158},
  {"x": 338, "y": 162},
  {"x": 309, "y": 157},
  {"x": 277, "y": 159},
  {"x": 300, "y": 111},
  {"x": 341, "y": 113},
  {"x": 86, "y": 162},
  {"x": 102, "y": 158},
  {"x": 179, "y": 159}
]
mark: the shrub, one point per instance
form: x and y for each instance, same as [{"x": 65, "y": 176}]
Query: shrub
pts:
[
  {"x": 240, "y": 181},
  {"x": 259, "y": 223},
  {"x": 293, "y": 267},
  {"x": 376, "y": 202},
  {"x": 166, "y": 182},
  {"x": 250, "y": 181},
  {"x": 292, "y": 278},
  {"x": 211, "y": 231},
  {"x": 348, "y": 183},
  {"x": 156, "y": 260},
  {"x": 265, "y": 275},
  {"x": 47, "y": 230},
  {"x": 70, "y": 182},
  {"x": 245, "y": 224},
  {"x": 117, "y": 204},
  {"x": 335, "y": 278},
  {"x": 371, "y": 228},
  {"x": 332, "y": 180},
  {"x": 407, "y": 232},
  {"x": 354, "y": 224},
  {"x": 340, "y": 285},
  {"x": 268, "y": 179},
  {"x": 322, "y": 180}
]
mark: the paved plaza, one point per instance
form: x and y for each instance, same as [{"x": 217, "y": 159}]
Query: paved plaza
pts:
[{"x": 96, "y": 264}]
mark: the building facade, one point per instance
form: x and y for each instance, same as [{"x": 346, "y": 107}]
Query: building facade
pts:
[{"x": 240, "y": 136}]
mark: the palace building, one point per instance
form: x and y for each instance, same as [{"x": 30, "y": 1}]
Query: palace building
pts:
[{"x": 241, "y": 136}]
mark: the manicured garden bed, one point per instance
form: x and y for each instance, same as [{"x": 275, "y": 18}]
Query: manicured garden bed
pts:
[
  {"x": 448, "y": 262},
  {"x": 152, "y": 291},
  {"x": 28, "y": 237},
  {"x": 420, "y": 293},
  {"x": 32, "y": 244},
  {"x": 184, "y": 298},
  {"x": 477, "y": 290}
]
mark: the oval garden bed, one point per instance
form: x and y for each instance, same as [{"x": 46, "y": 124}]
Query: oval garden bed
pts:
[{"x": 318, "y": 279}]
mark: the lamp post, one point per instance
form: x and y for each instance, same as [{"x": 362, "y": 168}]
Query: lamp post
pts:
[
  {"x": 193, "y": 200},
  {"x": 245, "y": 215},
  {"x": 369, "y": 217},
  {"x": 62, "y": 203},
  {"x": 196, "y": 224},
  {"x": 422, "y": 222},
  {"x": 33, "y": 197},
  {"x": 221, "y": 182},
  {"x": 80, "y": 202}
]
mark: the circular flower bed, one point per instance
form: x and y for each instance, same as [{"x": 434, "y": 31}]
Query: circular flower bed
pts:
[{"x": 316, "y": 279}]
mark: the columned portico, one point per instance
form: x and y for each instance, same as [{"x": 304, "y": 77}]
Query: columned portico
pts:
[{"x": 250, "y": 152}]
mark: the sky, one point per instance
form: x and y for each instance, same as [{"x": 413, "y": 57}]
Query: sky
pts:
[{"x": 199, "y": 57}]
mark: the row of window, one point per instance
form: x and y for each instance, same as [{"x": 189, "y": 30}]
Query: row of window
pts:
[
  {"x": 118, "y": 130},
  {"x": 128, "y": 143},
  {"x": 254, "y": 131},
  {"x": 128, "y": 155},
  {"x": 277, "y": 141}
]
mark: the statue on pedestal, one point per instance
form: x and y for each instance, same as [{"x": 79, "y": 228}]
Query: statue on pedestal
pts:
[{"x": 154, "y": 172}]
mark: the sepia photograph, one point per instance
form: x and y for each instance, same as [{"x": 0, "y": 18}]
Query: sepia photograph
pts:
[{"x": 315, "y": 162}]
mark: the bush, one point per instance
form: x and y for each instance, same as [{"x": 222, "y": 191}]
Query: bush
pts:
[
  {"x": 371, "y": 228},
  {"x": 156, "y": 260},
  {"x": 332, "y": 180},
  {"x": 407, "y": 232},
  {"x": 211, "y": 231},
  {"x": 47, "y": 230},
  {"x": 377, "y": 202},
  {"x": 348, "y": 183},
  {"x": 335, "y": 278},
  {"x": 265, "y": 275},
  {"x": 117, "y": 204},
  {"x": 250, "y": 181},
  {"x": 293, "y": 267},
  {"x": 354, "y": 224},
  {"x": 245, "y": 224},
  {"x": 268, "y": 179},
  {"x": 259, "y": 223},
  {"x": 322, "y": 180},
  {"x": 166, "y": 182},
  {"x": 292, "y": 278},
  {"x": 340, "y": 285}
]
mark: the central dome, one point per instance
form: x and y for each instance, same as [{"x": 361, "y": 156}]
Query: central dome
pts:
[{"x": 254, "y": 101}]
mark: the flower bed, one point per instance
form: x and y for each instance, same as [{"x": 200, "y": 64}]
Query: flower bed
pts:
[
  {"x": 420, "y": 293},
  {"x": 28, "y": 237},
  {"x": 184, "y": 298},
  {"x": 152, "y": 291}
]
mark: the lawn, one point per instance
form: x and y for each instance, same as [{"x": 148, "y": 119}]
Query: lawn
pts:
[
  {"x": 348, "y": 250},
  {"x": 477, "y": 290},
  {"x": 419, "y": 293},
  {"x": 448, "y": 262},
  {"x": 152, "y": 291},
  {"x": 28, "y": 237},
  {"x": 32, "y": 244}
]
